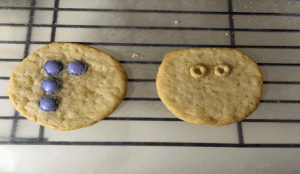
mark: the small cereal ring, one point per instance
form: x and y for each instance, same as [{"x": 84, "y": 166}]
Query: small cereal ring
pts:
[
  {"x": 197, "y": 71},
  {"x": 222, "y": 70}
]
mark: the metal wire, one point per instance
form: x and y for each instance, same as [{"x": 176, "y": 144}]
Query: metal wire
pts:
[{"x": 40, "y": 140}]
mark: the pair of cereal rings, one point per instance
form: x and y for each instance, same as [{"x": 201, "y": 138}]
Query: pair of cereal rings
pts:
[{"x": 199, "y": 70}]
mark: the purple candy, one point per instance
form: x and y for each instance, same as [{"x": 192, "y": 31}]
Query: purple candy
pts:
[
  {"x": 49, "y": 103},
  {"x": 51, "y": 85},
  {"x": 53, "y": 67},
  {"x": 77, "y": 67}
]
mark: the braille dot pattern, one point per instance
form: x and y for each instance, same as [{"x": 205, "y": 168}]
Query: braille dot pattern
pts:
[{"x": 51, "y": 85}]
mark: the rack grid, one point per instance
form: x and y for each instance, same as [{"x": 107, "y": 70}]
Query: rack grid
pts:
[{"x": 41, "y": 140}]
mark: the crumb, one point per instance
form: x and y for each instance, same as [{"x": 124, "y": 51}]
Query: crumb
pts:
[
  {"x": 226, "y": 34},
  {"x": 134, "y": 55},
  {"x": 176, "y": 22},
  {"x": 142, "y": 57}
]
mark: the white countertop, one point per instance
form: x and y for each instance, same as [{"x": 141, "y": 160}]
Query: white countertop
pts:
[{"x": 142, "y": 135}]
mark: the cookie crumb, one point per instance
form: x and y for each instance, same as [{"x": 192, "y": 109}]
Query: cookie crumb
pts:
[
  {"x": 176, "y": 22},
  {"x": 135, "y": 55}
]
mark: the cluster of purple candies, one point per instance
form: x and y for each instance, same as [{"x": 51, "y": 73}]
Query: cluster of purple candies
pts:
[{"x": 51, "y": 85}]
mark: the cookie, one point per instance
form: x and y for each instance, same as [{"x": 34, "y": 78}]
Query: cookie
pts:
[
  {"x": 212, "y": 86},
  {"x": 66, "y": 86}
]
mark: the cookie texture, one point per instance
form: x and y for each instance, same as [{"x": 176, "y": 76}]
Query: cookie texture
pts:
[
  {"x": 229, "y": 90},
  {"x": 84, "y": 99}
]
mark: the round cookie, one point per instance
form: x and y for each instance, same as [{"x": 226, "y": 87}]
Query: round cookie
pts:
[
  {"x": 213, "y": 86},
  {"x": 91, "y": 89}
]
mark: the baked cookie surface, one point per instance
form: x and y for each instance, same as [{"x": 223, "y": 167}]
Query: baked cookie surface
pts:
[
  {"x": 92, "y": 84},
  {"x": 213, "y": 86}
]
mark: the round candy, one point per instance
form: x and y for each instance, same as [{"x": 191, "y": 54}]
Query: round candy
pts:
[
  {"x": 51, "y": 85},
  {"x": 53, "y": 67},
  {"x": 77, "y": 67},
  {"x": 49, "y": 103}
]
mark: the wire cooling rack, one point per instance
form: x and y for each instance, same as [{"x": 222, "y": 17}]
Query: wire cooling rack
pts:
[{"x": 231, "y": 31}]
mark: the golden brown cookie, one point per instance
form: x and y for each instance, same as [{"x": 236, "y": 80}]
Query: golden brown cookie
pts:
[
  {"x": 213, "y": 86},
  {"x": 83, "y": 99}
]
